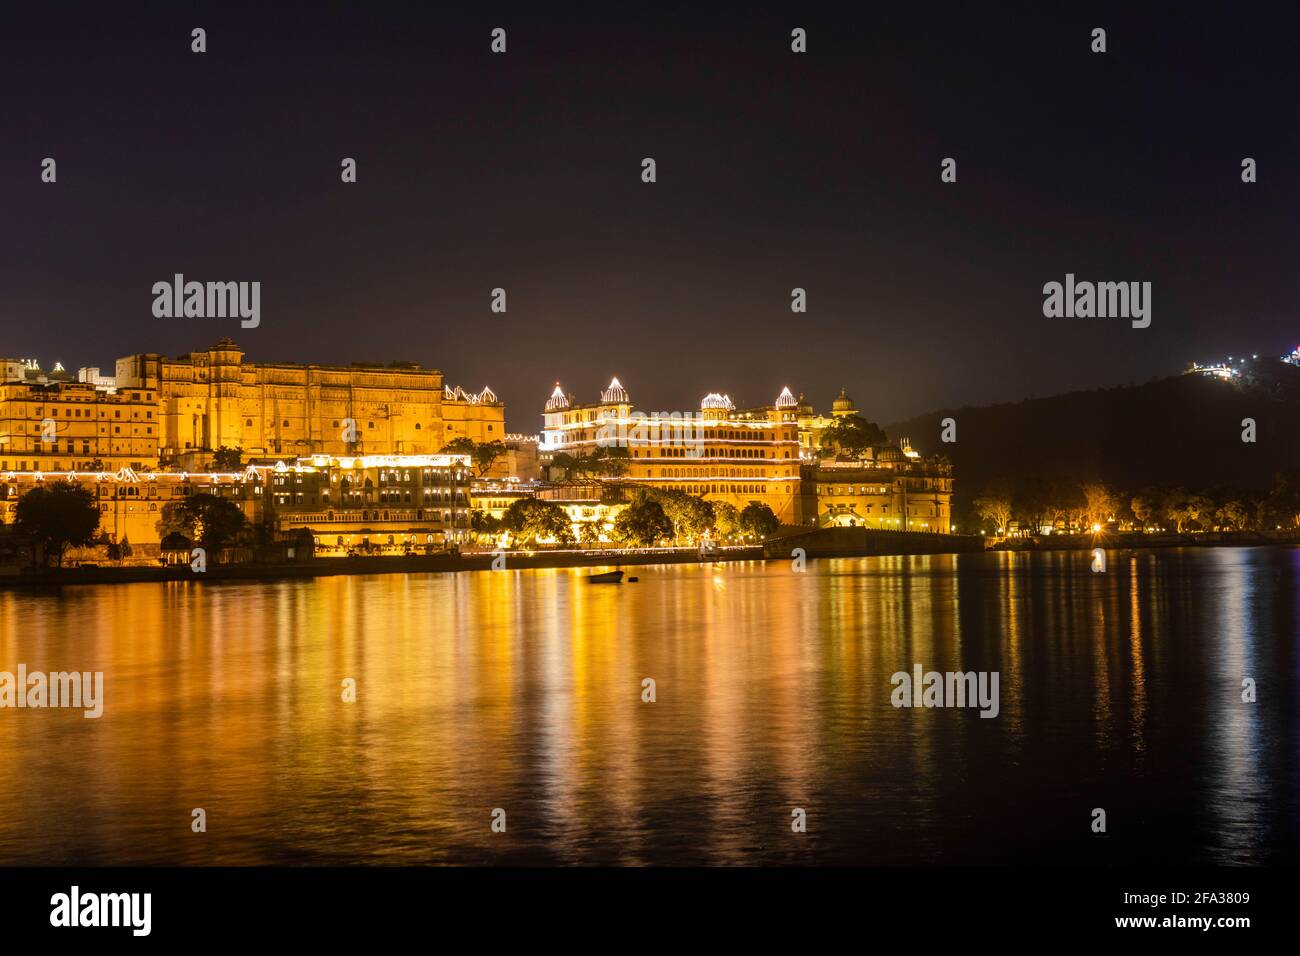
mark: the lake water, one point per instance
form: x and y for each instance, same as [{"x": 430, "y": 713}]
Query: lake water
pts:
[{"x": 522, "y": 690}]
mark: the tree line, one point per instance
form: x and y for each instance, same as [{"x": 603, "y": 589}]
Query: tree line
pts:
[
  {"x": 1088, "y": 505},
  {"x": 653, "y": 516}
]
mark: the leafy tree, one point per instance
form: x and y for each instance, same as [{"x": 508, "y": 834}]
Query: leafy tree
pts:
[
  {"x": 1282, "y": 506},
  {"x": 1148, "y": 508},
  {"x": 483, "y": 524},
  {"x": 562, "y": 464},
  {"x": 485, "y": 455},
  {"x": 1099, "y": 504},
  {"x": 458, "y": 446},
  {"x": 1232, "y": 515},
  {"x": 1178, "y": 506},
  {"x": 482, "y": 454},
  {"x": 1034, "y": 504},
  {"x": 852, "y": 435},
  {"x": 758, "y": 521},
  {"x": 726, "y": 519},
  {"x": 211, "y": 521},
  {"x": 531, "y": 518},
  {"x": 995, "y": 507},
  {"x": 642, "y": 523},
  {"x": 613, "y": 461},
  {"x": 57, "y": 517},
  {"x": 1202, "y": 510},
  {"x": 227, "y": 459},
  {"x": 691, "y": 516},
  {"x": 1070, "y": 504},
  {"x": 604, "y": 462},
  {"x": 120, "y": 550}
]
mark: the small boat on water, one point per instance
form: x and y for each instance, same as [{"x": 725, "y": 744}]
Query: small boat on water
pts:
[{"x": 607, "y": 577}]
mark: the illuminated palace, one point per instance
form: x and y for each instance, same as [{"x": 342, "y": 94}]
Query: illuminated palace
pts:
[
  {"x": 770, "y": 455},
  {"x": 176, "y": 411},
  {"x": 889, "y": 487},
  {"x": 212, "y": 399},
  {"x": 721, "y": 454},
  {"x": 372, "y": 502},
  {"x": 54, "y": 422},
  {"x": 351, "y": 452}
]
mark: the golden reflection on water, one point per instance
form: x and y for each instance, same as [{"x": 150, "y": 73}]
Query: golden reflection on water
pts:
[
  {"x": 523, "y": 690},
  {"x": 1138, "y": 667}
]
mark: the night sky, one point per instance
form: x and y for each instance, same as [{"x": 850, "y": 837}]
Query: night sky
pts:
[{"x": 775, "y": 170}]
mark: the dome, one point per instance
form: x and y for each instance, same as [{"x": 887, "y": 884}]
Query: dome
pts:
[
  {"x": 805, "y": 406},
  {"x": 785, "y": 399},
  {"x": 713, "y": 401},
  {"x": 616, "y": 393},
  {"x": 557, "y": 400},
  {"x": 891, "y": 453},
  {"x": 843, "y": 405}
]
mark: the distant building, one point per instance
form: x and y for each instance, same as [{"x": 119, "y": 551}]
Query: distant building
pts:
[
  {"x": 770, "y": 454},
  {"x": 215, "y": 398},
  {"x": 811, "y": 425},
  {"x": 890, "y": 487},
  {"x": 1221, "y": 370},
  {"x": 91, "y": 376},
  {"x": 30, "y": 371},
  {"x": 52, "y": 425},
  {"x": 718, "y": 453},
  {"x": 889, "y": 490},
  {"x": 130, "y": 503},
  {"x": 381, "y": 503},
  {"x": 522, "y": 459},
  {"x": 374, "y": 502}
]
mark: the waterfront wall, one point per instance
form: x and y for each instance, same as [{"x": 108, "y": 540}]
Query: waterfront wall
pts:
[
  {"x": 385, "y": 564},
  {"x": 852, "y": 542}
]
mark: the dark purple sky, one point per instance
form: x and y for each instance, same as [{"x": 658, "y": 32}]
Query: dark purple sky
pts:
[{"x": 775, "y": 171}]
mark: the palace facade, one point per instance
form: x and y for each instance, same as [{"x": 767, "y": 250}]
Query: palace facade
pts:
[
  {"x": 769, "y": 454},
  {"x": 54, "y": 425},
  {"x": 352, "y": 454},
  {"x": 719, "y": 453},
  {"x": 131, "y": 503},
  {"x": 372, "y": 502},
  {"x": 214, "y": 398},
  {"x": 892, "y": 489}
]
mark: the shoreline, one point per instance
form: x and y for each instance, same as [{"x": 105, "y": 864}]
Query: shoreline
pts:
[
  {"x": 1137, "y": 541},
  {"x": 393, "y": 564},
  {"x": 532, "y": 560}
]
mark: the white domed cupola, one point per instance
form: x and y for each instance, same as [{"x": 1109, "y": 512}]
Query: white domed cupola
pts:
[{"x": 616, "y": 394}]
